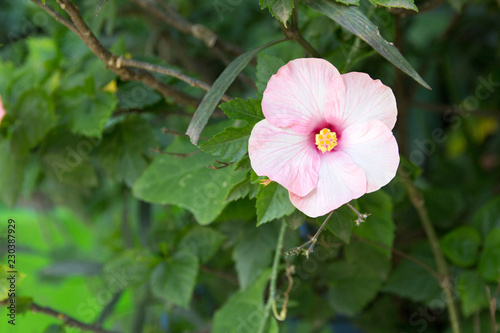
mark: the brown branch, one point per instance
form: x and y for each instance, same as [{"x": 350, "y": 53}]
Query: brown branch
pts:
[
  {"x": 79, "y": 26},
  {"x": 67, "y": 320}
]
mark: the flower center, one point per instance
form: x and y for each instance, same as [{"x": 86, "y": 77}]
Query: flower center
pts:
[{"x": 326, "y": 140}]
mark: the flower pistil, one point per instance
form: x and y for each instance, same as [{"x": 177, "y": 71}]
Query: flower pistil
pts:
[{"x": 326, "y": 140}]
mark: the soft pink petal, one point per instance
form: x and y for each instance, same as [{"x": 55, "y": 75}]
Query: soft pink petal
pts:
[
  {"x": 339, "y": 182},
  {"x": 373, "y": 148},
  {"x": 295, "y": 97},
  {"x": 2, "y": 110},
  {"x": 284, "y": 156},
  {"x": 366, "y": 99}
]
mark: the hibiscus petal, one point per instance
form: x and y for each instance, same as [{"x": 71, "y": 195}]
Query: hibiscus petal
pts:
[
  {"x": 366, "y": 99},
  {"x": 284, "y": 156},
  {"x": 2, "y": 110},
  {"x": 295, "y": 97},
  {"x": 339, "y": 182},
  {"x": 373, "y": 148}
]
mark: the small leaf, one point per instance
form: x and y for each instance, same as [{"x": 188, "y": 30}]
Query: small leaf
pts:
[
  {"x": 239, "y": 109},
  {"x": 487, "y": 217},
  {"x": 213, "y": 96},
  {"x": 281, "y": 9},
  {"x": 461, "y": 245},
  {"x": 489, "y": 263},
  {"x": 267, "y": 66},
  {"x": 231, "y": 144},
  {"x": 472, "y": 291},
  {"x": 272, "y": 203},
  {"x": 175, "y": 278},
  {"x": 353, "y": 20},
  {"x": 202, "y": 241}
]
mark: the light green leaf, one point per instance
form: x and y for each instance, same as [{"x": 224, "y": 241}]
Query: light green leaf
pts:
[
  {"x": 242, "y": 189},
  {"x": 281, "y": 9},
  {"x": 11, "y": 172},
  {"x": 273, "y": 202},
  {"x": 231, "y": 144},
  {"x": 253, "y": 253},
  {"x": 489, "y": 263},
  {"x": 267, "y": 66},
  {"x": 239, "y": 109},
  {"x": 123, "y": 150},
  {"x": 349, "y": 2},
  {"x": 213, "y": 96},
  {"x": 187, "y": 182},
  {"x": 202, "y": 241},
  {"x": 353, "y": 20},
  {"x": 244, "y": 311},
  {"x": 472, "y": 291},
  {"x": 175, "y": 278},
  {"x": 407, "y": 4},
  {"x": 461, "y": 245}
]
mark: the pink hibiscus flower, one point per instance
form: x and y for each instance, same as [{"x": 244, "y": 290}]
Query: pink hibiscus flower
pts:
[
  {"x": 2, "y": 110},
  {"x": 327, "y": 138}
]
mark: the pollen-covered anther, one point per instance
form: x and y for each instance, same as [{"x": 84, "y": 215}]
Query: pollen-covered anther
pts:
[{"x": 326, "y": 140}]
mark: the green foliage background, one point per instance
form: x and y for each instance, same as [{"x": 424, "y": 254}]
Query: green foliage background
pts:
[{"x": 123, "y": 223}]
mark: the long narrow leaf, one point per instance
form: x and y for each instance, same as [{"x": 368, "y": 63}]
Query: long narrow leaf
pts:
[
  {"x": 352, "y": 19},
  {"x": 213, "y": 96}
]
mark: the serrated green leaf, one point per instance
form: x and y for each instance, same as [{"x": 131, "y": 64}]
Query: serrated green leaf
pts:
[
  {"x": 273, "y": 202},
  {"x": 353, "y": 20},
  {"x": 213, "y": 96},
  {"x": 341, "y": 223},
  {"x": 231, "y": 144},
  {"x": 123, "y": 150},
  {"x": 253, "y": 253},
  {"x": 244, "y": 311},
  {"x": 281, "y": 9},
  {"x": 239, "y": 109},
  {"x": 187, "y": 182},
  {"x": 487, "y": 218},
  {"x": 472, "y": 290},
  {"x": 407, "y": 4},
  {"x": 239, "y": 190},
  {"x": 175, "y": 278},
  {"x": 489, "y": 263},
  {"x": 202, "y": 241},
  {"x": 461, "y": 246},
  {"x": 267, "y": 66}
]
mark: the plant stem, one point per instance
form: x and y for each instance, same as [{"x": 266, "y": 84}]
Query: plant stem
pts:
[
  {"x": 418, "y": 203},
  {"x": 274, "y": 274}
]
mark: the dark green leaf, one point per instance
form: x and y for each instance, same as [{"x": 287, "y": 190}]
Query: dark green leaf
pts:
[
  {"x": 213, "y": 96},
  {"x": 461, "y": 245},
  {"x": 130, "y": 268},
  {"x": 267, "y": 66},
  {"x": 488, "y": 217},
  {"x": 352, "y": 19},
  {"x": 231, "y": 144},
  {"x": 135, "y": 95},
  {"x": 341, "y": 223},
  {"x": 239, "y": 190},
  {"x": 472, "y": 291},
  {"x": 272, "y": 203},
  {"x": 489, "y": 262},
  {"x": 202, "y": 241},
  {"x": 174, "y": 279},
  {"x": 239, "y": 109},
  {"x": 281, "y": 9},
  {"x": 11, "y": 172},
  {"x": 55, "y": 328}
]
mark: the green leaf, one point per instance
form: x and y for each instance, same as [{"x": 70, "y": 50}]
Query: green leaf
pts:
[
  {"x": 407, "y": 4},
  {"x": 34, "y": 116},
  {"x": 244, "y": 311},
  {"x": 461, "y": 246},
  {"x": 239, "y": 190},
  {"x": 88, "y": 114},
  {"x": 472, "y": 291},
  {"x": 231, "y": 144},
  {"x": 488, "y": 217},
  {"x": 202, "y": 241},
  {"x": 489, "y": 263},
  {"x": 55, "y": 328},
  {"x": 130, "y": 268},
  {"x": 281, "y": 9},
  {"x": 267, "y": 66},
  {"x": 353, "y": 20},
  {"x": 349, "y": 2},
  {"x": 213, "y": 96},
  {"x": 124, "y": 149},
  {"x": 187, "y": 182},
  {"x": 239, "y": 109},
  {"x": 411, "y": 281},
  {"x": 175, "y": 278},
  {"x": 253, "y": 253},
  {"x": 341, "y": 223},
  {"x": 273, "y": 202},
  {"x": 136, "y": 95},
  {"x": 11, "y": 172}
]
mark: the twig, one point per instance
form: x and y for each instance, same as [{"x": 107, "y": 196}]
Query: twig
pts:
[
  {"x": 274, "y": 274},
  {"x": 311, "y": 242},
  {"x": 108, "y": 309},
  {"x": 290, "y": 270},
  {"x": 56, "y": 16},
  {"x": 492, "y": 302},
  {"x": 67, "y": 320},
  {"x": 417, "y": 200}
]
